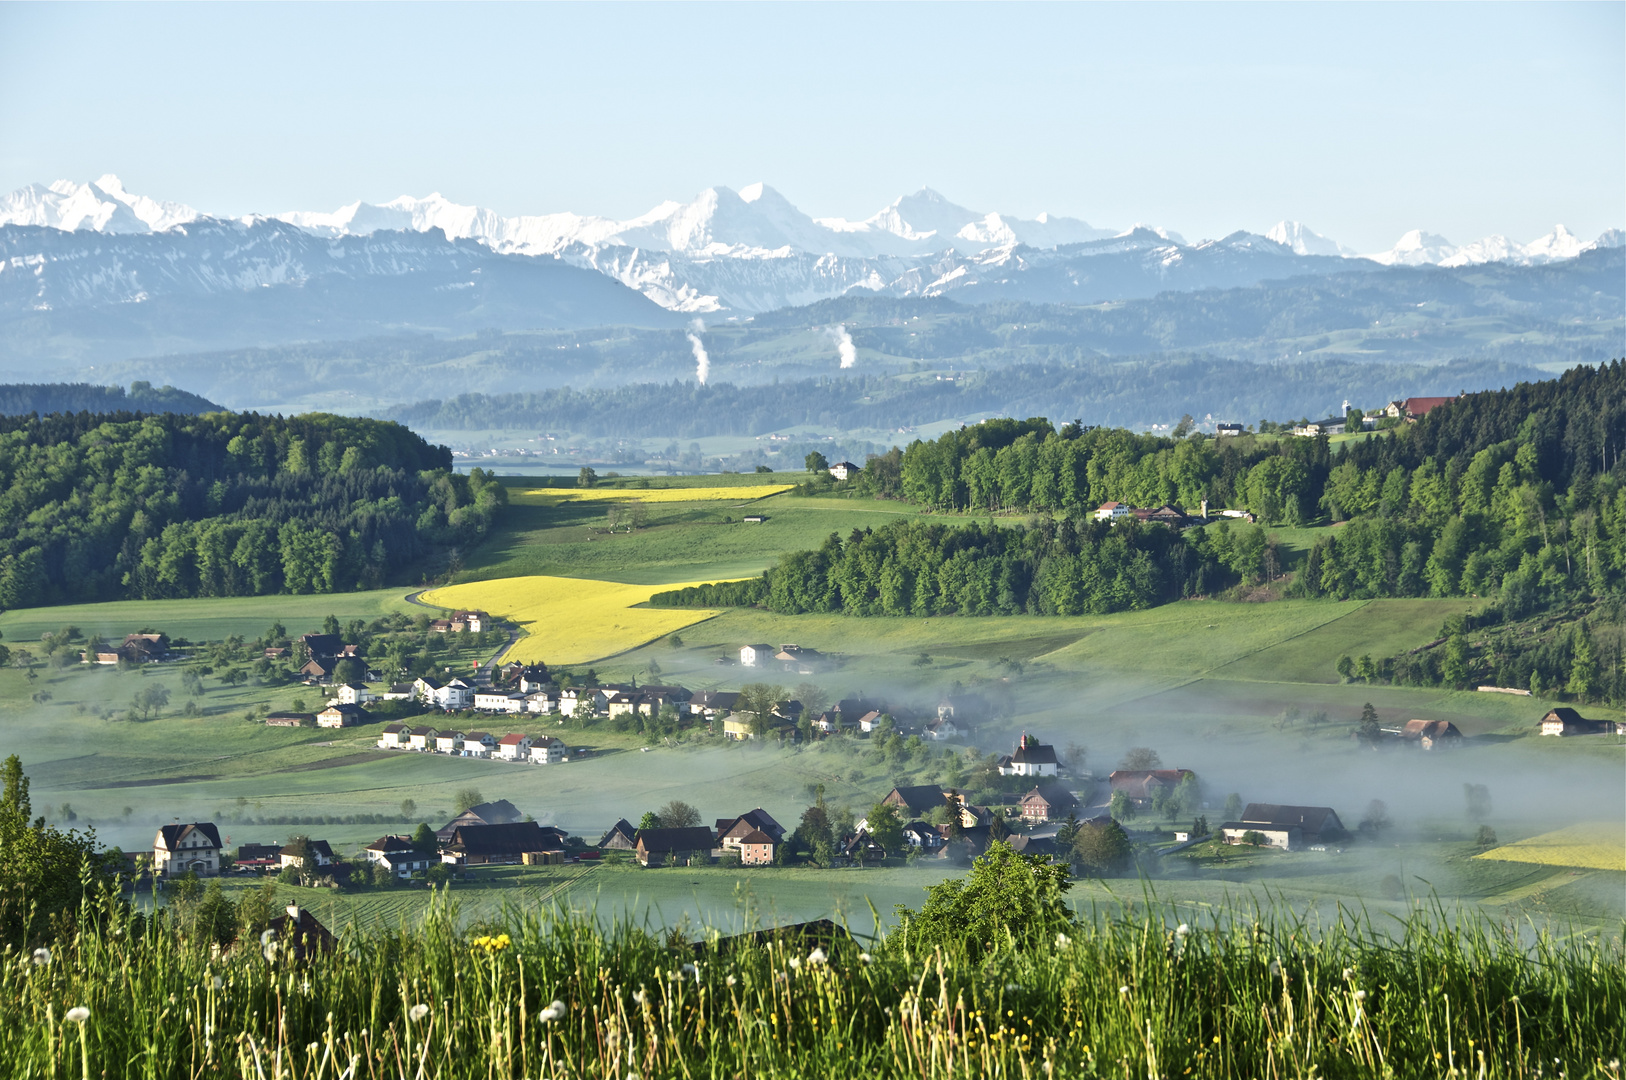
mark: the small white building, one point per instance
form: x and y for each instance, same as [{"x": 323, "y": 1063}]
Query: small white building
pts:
[
  {"x": 843, "y": 470},
  {"x": 1113, "y": 511},
  {"x": 1032, "y": 758},
  {"x": 193, "y": 848},
  {"x": 548, "y": 750},
  {"x": 456, "y": 694},
  {"x": 479, "y": 744},
  {"x": 421, "y": 738},
  {"x": 393, "y": 737},
  {"x": 542, "y": 703},
  {"x": 449, "y": 742},
  {"x": 514, "y": 747},
  {"x": 756, "y": 655},
  {"x": 353, "y": 694},
  {"x": 574, "y": 698},
  {"x": 498, "y": 701}
]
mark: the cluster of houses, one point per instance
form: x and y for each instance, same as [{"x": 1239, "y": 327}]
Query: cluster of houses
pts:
[
  {"x": 148, "y": 648},
  {"x": 1409, "y": 410},
  {"x": 1564, "y": 721},
  {"x": 513, "y": 746}
]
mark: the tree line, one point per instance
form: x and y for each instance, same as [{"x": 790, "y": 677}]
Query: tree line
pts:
[{"x": 124, "y": 505}]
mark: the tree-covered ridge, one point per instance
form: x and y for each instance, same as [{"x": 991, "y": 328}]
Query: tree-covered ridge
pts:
[
  {"x": 1067, "y": 567},
  {"x": 97, "y": 507},
  {"x": 20, "y": 399}
]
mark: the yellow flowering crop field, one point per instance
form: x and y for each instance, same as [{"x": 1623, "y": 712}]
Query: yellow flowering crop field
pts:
[
  {"x": 553, "y": 496},
  {"x": 570, "y": 620},
  {"x": 1596, "y": 846}
]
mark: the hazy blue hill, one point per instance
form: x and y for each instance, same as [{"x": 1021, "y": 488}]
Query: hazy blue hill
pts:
[{"x": 20, "y": 399}]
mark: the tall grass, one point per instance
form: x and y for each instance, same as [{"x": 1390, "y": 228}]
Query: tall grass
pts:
[{"x": 1245, "y": 994}]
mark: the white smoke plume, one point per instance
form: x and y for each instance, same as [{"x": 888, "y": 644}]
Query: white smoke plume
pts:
[
  {"x": 844, "y": 345},
  {"x": 702, "y": 362}
]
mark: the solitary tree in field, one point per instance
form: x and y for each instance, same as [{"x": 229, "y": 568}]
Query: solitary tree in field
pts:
[
  {"x": 586, "y": 478},
  {"x": 678, "y": 814},
  {"x": 816, "y": 462},
  {"x": 409, "y": 809},
  {"x": 1102, "y": 847},
  {"x": 1141, "y": 757}
]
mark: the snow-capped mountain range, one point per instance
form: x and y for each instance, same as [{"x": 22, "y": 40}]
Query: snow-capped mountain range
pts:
[{"x": 753, "y": 250}]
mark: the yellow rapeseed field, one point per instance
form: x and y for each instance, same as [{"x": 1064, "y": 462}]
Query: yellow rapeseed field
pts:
[
  {"x": 1596, "y": 846},
  {"x": 570, "y": 620},
  {"x": 551, "y": 496}
]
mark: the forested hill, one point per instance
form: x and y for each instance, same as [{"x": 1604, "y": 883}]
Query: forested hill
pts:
[
  {"x": 20, "y": 399},
  {"x": 1516, "y": 493},
  {"x": 120, "y": 505}
]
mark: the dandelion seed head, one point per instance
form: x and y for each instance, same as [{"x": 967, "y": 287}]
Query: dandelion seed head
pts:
[
  {"x": 219, "y": 983},
  {"x": 42, "y": 956},
  {"x": 865, "y": 957},
  {"x": 796, "y": 963},
  {"x": 417, "y": 1012},
  {"x": 554, "y": 1011},
  {"x": 1182, "y": 930},
  {"x": 267, "y": 937},
  {"x": 1062, "y": 941},
  {"x": 817, "y": 956},
  {"x": 1123, "y": 989},
  {"x": 77, "y": 1015},
  {"x": 638, "y": 995},
  {"x": 731, "y": 980},
  {"x": 1360, "y": 995}
]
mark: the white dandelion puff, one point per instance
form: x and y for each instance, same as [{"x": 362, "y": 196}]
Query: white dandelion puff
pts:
[
  {"x": 1123, "y": 989},
  {"x": 796, "y": 963},
  {"x": 1348, "y": 972},
  {"x": 77, "y": 1015},
  {"x": 1360, "y": 995},
  {"x": 219, "y": 983},
  {"x": 1182, "y": 930},
  {"x": 638, "y": 995},
  {"x": 1275, "y": 967},
  {"x": 731, "y": 980},
  {"x": 1013, "y": 988},
  {"x": 42, "y": 956},
  {"x": 1062, "y": 941},
  {"x": 817, "y": 956},
  {"x": 554, "y": 1011},
  {"x": 417, "y": 1012},
  {"x": 865, "y": 957}
]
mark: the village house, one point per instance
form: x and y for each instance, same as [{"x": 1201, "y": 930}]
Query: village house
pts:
[
  {"x": 737, "y": 727},
  {"x": 299, "y": 935},
  {"x": 1168, "y": 515},
  {"x": 1416, "y": 407},
  {"x": 472, "y": 621},
  {"x": 679, "y": 847},
  {"x": 711, "y": 703},
  {"x": 621, "y": 837},
  {"x": 1031, "y": 758},
  {"x": 541, "y": 702},
  {"x": 353, "y": 694},
  {"x": 395, "y": 737},
  {"x": 868, "y": 722},
  {"x": 1287, "y": 827},
  {"x": 399, "y": 692},
  {"x": 498, "y": 701},
  {"x": 732, "y": 831},
  {"x": 398, "y": 855},
  {"x": 191, "y": 848},
  {"x": 480, "y": 744},
  {"x": 572, "y": 698},
  {"x": 1048, "y": 802},
  {"x": 318, "y": 851},
  {"x": 916, "y": 801},
  {"x": 1142, "y": 785},
  {"x": 756, "y": 655},
  {"x": 829, "y": 723},
  {"x": 341, "y": 715},
  {"x": 1566, "y": 721},
  {"x": 548, "y": 750},
  {"x": 448, "y": 742},
  {"x": 501, "y": 845},
  {"x": 1332, "y": 425},
  {"x": 514, "y": 747},
  {"x": 422, "y": 738},
  {"x": 320, "y": 646},
  {"x": 942, "y": 729},
  {"x": 923, "y": 836},
  {"x": 756, "y": 848},
  {"x": 1432, "y": 734},
  {"x": 1113, "y": 511},
  {"x": 258, "y": 856},
  {"x": 144, "y": 648},
  {"x": 497, "y": 812},
  {"x": 290, "y": 719},
  {"x": 843, "y": 470},
  {"x": 1222, "y": 430},
  {"x": 318, "y": 670}
]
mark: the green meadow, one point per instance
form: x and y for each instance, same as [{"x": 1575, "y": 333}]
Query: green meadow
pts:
[{"x": 1245, "y": 694}]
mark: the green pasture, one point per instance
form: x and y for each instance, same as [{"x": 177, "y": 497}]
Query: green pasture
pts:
[
  {"x": 204, "y": 619},
  {"x": 679, "y": 542}
]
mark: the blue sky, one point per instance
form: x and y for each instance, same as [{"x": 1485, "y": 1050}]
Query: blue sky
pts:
[{"x": 1360, "y": 120}]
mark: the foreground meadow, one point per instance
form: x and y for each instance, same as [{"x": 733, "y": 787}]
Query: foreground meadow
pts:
[{"x": 546, "y": 993}]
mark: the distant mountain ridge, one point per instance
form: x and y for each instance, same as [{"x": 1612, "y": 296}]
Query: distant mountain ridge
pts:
[
  {"x": 20, "y": 399},
  {"x": 735, "y": 253}
]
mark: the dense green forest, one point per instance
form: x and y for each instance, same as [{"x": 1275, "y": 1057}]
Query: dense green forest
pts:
[
  {"x": 20, "y": 399},
  {"x": 119, "y": 505},
  {"x": 1514, "y": 493}
]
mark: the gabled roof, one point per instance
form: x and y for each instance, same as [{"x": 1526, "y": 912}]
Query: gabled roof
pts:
[
  {"x": 511, "y": 838},
  {"x": 477, "y": 736},
  {"x": 622, "y": 831},
  {"x": 691, "y": 838},
  {"x": 319, "y": 848},
  {"x": 395, "y": 729},
  {"x": 1311, "y": 819},
  {"x": 1041, "y": 754},
  {"x": 391, "y": 843},
  {"x": 512, "y": 739},
  {"x": 423, "y": 731},
  {"x": 757, "y": 836},
  {"x": 495, "y": 812},
  {"x": 170, "y": 836},
  {"x": 751, "y": 820},
  {"x": 918, "y": 799},
  {"x": 1052, "y": 795}
]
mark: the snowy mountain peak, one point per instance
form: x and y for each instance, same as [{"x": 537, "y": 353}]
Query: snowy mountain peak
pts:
[
  {"x": 101, "y": 206},
  {"x": 1305, "y": 241}
]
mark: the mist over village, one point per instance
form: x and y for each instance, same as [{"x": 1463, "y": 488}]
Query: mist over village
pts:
[{"x": 935, "y": 541}]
